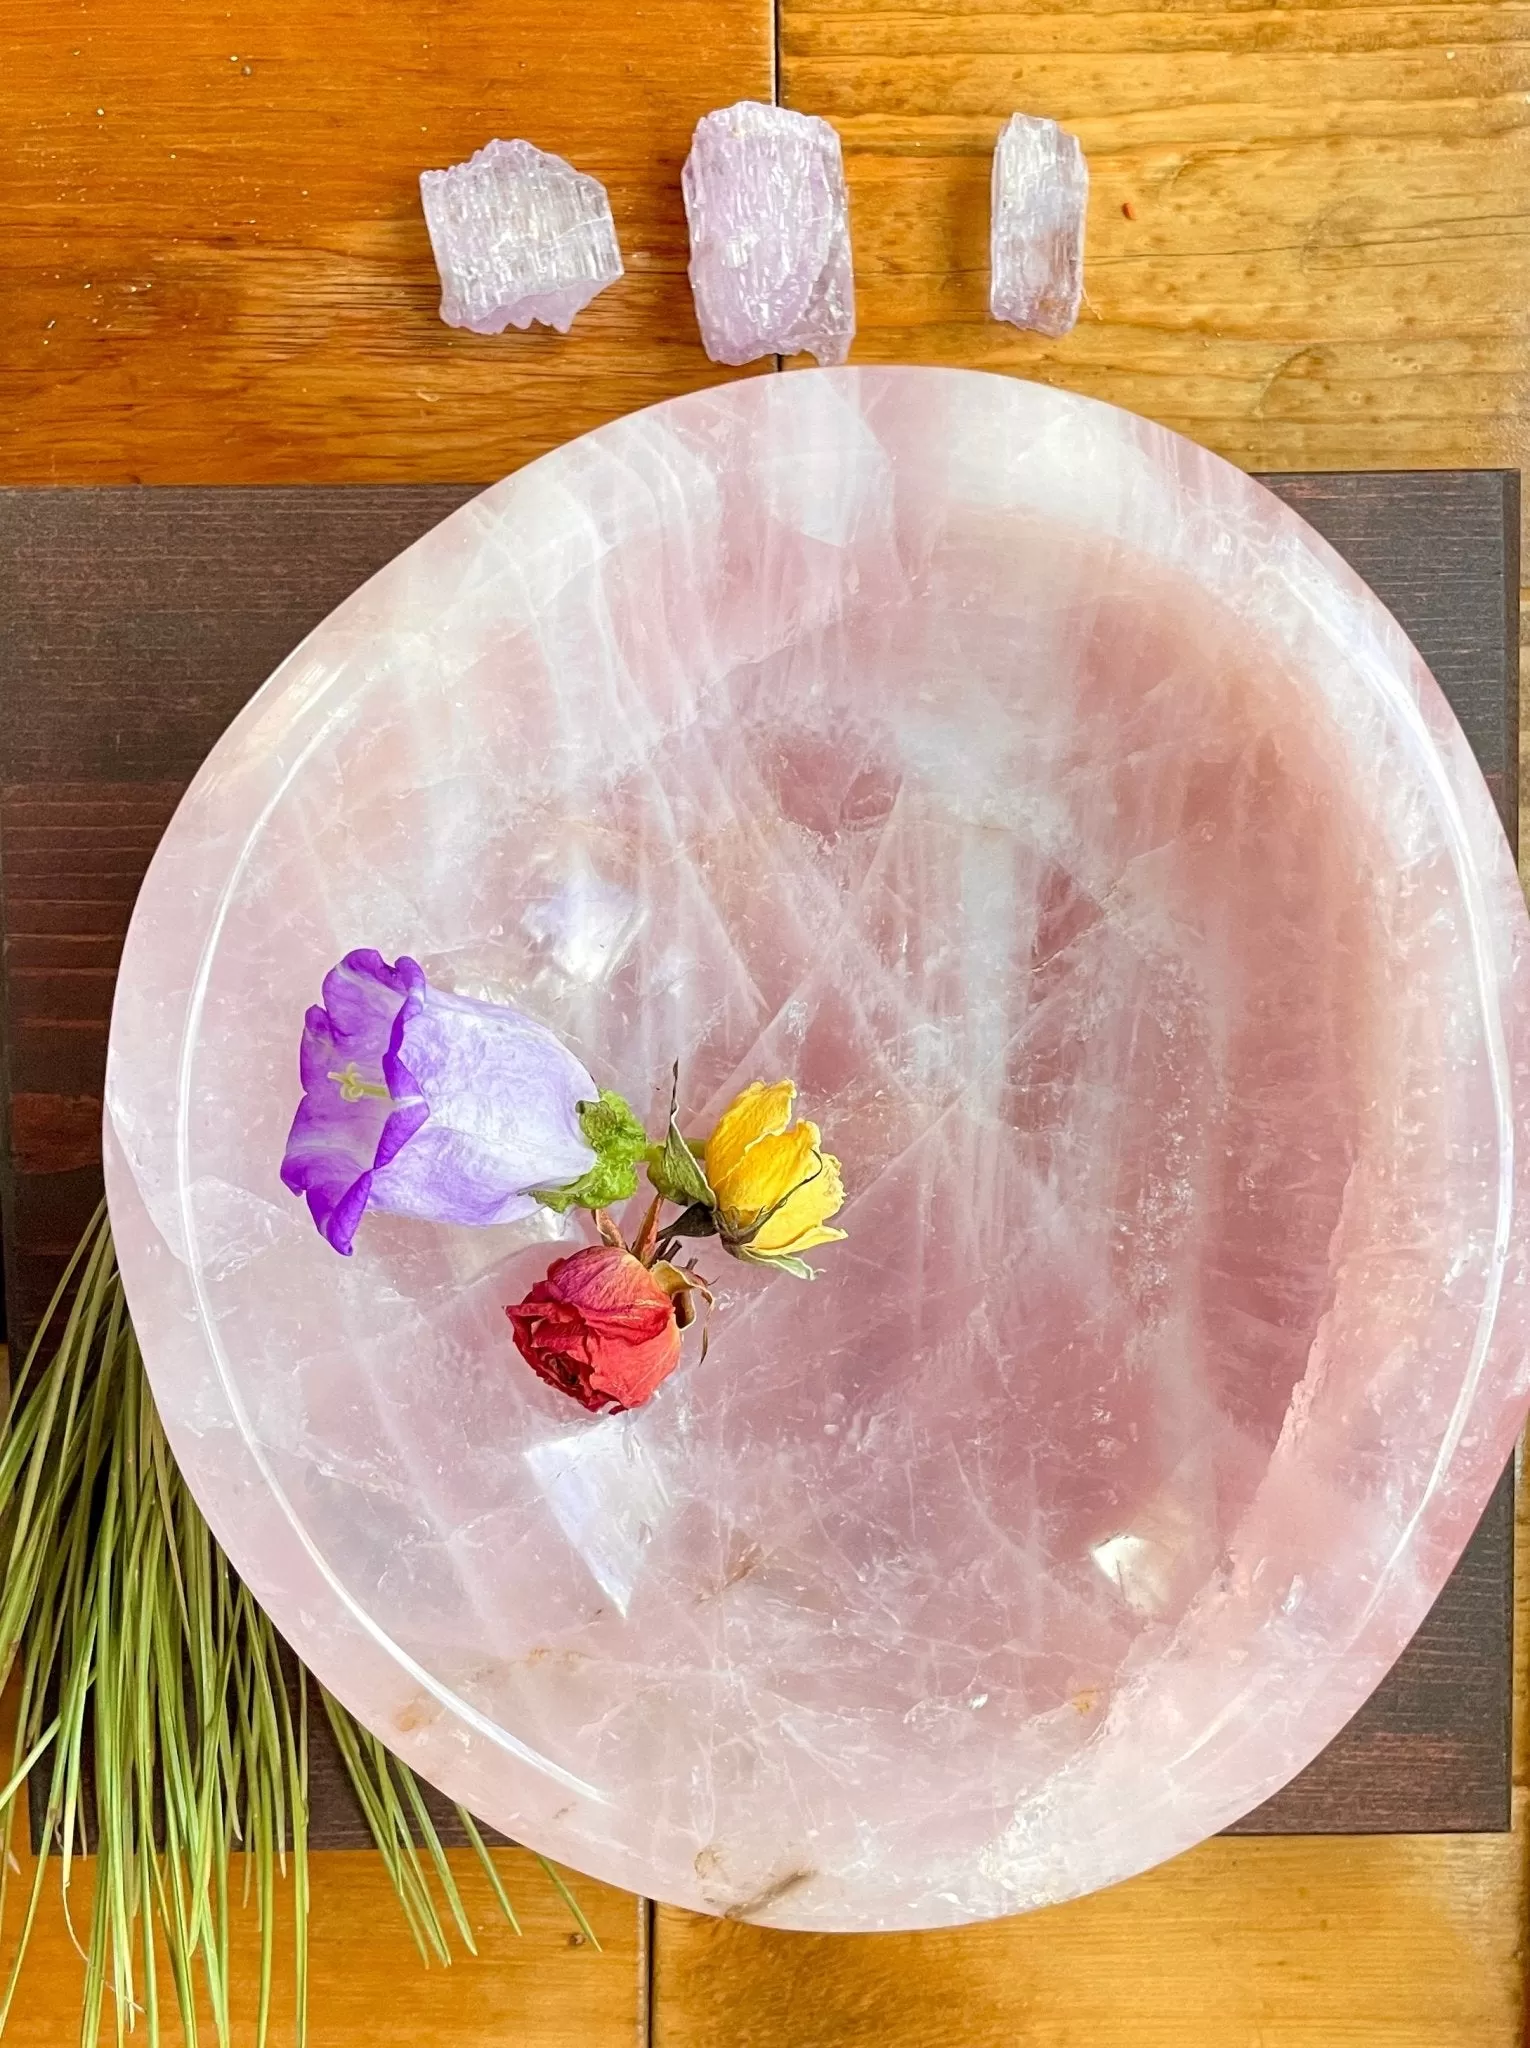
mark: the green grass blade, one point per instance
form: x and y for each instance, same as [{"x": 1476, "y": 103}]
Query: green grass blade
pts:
[
  {"x": 298, "y": 1753},
  {"x": 33, "y": 1756},
  {"x": 389, "y": 1830},
  {"x": 490, "y": 1868},
  {"x": 556, "y": 1877},
  {"x": 390, "y": 1768}
]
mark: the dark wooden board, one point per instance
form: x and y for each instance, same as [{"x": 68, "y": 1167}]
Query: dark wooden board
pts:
[
  {"x": 135, "y": 623},
  {"x": 1440, "y": 547}
]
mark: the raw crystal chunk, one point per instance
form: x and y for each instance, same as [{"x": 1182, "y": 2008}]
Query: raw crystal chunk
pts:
[
  {"x": 519, "y": 235},
  {"x": 770, "y": 235},
  {"x": 1040, "y": 191}
]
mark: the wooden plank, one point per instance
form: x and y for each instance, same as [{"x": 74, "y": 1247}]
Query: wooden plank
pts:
[
  {"x": 136, "y": 623},
  {"x": 547, "y": 1988},
  {"x": 1401, "y": 1941},
  {"x": 1323, "y": 265},
  {"x": 1465, "y": 526},
  {"x": 214, "y": 266},
  {"x": 133, "y": 625},
  {"x": 1428, "y": 1750}
]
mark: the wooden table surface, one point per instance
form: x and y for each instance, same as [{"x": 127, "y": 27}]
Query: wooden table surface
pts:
[{"x": 213, "y": 269}]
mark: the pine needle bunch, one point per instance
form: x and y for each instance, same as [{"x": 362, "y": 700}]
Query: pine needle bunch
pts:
[{"x": 155, "y": 1707}]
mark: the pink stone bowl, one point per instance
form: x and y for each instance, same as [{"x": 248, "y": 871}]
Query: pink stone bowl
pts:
[{"x": 1098, "y": 855}]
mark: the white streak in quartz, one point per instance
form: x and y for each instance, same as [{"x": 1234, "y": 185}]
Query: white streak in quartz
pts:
[
  {"x": 1034, "y": 789},
  {"x": 1036, "y": 252},
  {"x": 236, "y": 1226},
  {"x": 608, "y": 1498},
  {"x": 519, "y": 235},
  {"x": 586, "y": 928}
]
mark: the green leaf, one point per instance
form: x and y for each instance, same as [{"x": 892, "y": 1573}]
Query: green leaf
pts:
[{"x": 618, "y": 1141}]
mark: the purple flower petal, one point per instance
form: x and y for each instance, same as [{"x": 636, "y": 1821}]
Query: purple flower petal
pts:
[{"x": 427, "y": 1104}]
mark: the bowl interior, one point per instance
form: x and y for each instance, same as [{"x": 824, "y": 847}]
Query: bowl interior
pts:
[{"x": 1079, "y": 898}]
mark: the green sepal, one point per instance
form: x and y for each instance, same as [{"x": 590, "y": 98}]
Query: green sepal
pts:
[
  {"x": 786, "y": 1262},
  {"x": 618, "y": 1141},
  {"x": 677, "y": 1174}
]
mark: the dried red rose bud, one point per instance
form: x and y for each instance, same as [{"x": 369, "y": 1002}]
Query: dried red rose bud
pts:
[{"x": 600, "y": 1327}]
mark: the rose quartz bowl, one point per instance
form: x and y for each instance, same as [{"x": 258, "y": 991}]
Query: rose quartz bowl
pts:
[{"x": 1095, "y": 851}]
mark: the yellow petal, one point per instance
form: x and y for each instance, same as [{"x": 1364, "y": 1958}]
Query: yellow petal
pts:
[
  {"x": 807, "y": 1242},
  {"x": 767, "y": 1175},
  {"x": 798, "y": 1224},
  {"x": 759, "y": 1112}
]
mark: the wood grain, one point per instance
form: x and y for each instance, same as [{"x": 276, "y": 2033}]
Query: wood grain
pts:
[
  {"x": 127, "y": 642},
  {"x": 214, "y": 266},
  {"x": 1381, "y": 1942},
  {"x": 546, "y": 1988},
  {"x": 1328, "y": 251},
  {"x": 1470, "y": 528}
]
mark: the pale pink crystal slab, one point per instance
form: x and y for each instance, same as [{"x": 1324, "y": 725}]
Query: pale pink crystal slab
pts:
[
  {"x": 518, "y": 235},
  {"x": 1097, "y": 853},
  {"x": 1036, "y": 239},
  {"x": 770, "y": 235}
]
